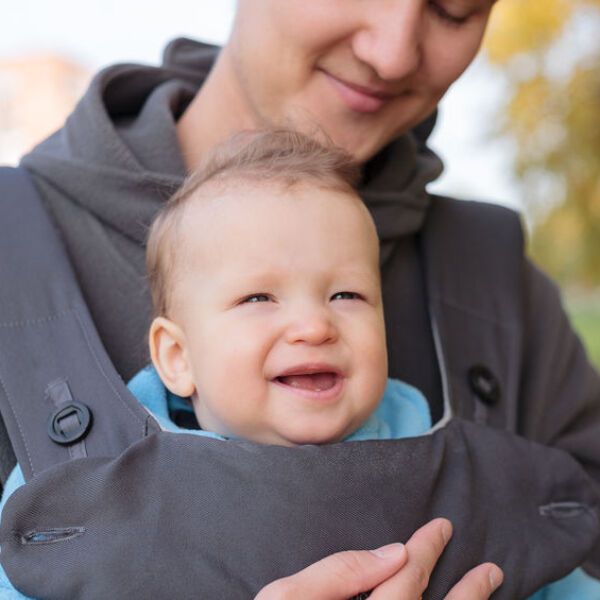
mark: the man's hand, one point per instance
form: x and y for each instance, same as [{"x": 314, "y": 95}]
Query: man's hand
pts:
[{"x": 393, "y": 571}]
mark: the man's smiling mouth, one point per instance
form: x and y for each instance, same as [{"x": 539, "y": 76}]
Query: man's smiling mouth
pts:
[{"x": 357, "y": 97}]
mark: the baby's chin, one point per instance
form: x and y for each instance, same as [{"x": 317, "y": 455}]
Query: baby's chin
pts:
[
  {"x": 288, "y": 435},
  {"x": 293, "y": 439}
]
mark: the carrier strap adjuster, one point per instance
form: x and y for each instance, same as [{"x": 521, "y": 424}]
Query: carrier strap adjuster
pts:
[{"x": 70, "y": 423}]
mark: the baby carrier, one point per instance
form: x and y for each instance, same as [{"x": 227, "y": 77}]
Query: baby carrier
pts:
[{"x": 115, "y": 508}]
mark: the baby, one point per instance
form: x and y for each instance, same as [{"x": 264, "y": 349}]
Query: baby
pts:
[{"x": 264, "y": 271}]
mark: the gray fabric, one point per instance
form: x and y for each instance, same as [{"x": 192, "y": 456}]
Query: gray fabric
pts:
[
  {"x": 411, "y": 353},
  {"x": 180, "y": 516},
  {"x": 472, "y": 275},
  {"x": 46, "y": 335},
  {"x": 511, "y": 320}
]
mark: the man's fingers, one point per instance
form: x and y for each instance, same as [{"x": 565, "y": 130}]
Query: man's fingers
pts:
[
  {"x": 424, "y": 549},
  {"x": 339, "y": 576},
  {"x": 392, "y": 572},
  {"x": 478, "y": 584}
]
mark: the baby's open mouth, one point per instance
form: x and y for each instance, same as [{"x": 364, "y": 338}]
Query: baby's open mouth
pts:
[{"x": 314, "y": 382}]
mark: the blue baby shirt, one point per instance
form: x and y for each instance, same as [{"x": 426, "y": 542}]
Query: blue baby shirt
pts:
[{"x": 402, "y": 412}]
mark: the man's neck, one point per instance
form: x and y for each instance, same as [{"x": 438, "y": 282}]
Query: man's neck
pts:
[{"x": 216, "y": 113}]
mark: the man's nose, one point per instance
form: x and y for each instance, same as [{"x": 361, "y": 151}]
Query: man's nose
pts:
[
  {"x": 312, "y": 326},
  {"x": 390, "y": 39}
]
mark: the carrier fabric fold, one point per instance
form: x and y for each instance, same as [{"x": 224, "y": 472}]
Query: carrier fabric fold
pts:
[{"x": 179, "y": 516}]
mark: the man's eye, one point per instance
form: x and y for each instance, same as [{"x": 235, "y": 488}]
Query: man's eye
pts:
[
  {"x": 256, "y": 298},
  {"x": 445, "y": 16},
  {"x": 346, "y": 296}
]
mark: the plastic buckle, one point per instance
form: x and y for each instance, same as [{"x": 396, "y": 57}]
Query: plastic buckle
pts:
[{"x": 69, "y": 423}]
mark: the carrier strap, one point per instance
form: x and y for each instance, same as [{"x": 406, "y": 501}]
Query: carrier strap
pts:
[
  {"x": 60, "y": 396},
  {"x": 473, "y": 255}
]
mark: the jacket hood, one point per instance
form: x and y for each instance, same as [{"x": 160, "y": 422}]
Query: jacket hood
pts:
[{"x": 118, "y": 158}]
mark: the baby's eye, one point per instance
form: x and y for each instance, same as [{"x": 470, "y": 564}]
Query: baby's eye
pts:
[
  {"x": 346, "y": 296},
  {"x": 256, "y": 298}
]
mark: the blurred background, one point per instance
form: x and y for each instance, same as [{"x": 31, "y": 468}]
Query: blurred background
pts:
[{"x": 520, "y": 128}]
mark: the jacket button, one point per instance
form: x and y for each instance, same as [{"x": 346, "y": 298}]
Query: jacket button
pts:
[{"x": 484, "y": 384}]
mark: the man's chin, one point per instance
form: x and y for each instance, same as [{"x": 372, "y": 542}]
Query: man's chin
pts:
[{"x": 361, "y": 148}]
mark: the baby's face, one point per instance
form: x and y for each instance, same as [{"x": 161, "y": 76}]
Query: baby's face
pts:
[{"x": 278, "y": 309}]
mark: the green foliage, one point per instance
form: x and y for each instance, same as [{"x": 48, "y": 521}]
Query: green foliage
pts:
[
  {"x": 555, "y": 119},
  {"x": 585, "y": 317}
]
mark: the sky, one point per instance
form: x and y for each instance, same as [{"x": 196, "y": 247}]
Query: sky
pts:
[{"x": 96, "y": 33}]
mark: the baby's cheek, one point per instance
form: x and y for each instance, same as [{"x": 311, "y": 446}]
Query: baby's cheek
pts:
[{"x": 376, "y": 366}]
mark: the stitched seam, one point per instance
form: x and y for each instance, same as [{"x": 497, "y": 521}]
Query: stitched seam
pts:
[
  {"x": 53, "y": 317},
  {"x": 97, "y": 361},
  {"x": 13, "y": 324},
  {"x": 16, "y": 418},
  {"x": 473, "y": 313}
]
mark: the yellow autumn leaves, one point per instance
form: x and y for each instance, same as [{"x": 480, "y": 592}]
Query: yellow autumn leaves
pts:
[
  {"x": 522, "y": 26},
  {"x": 553, "y": 114}
]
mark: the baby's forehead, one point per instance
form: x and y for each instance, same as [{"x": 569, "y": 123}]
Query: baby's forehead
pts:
[
  {"x": 221, "y": 216},
  {"x": 268, "y": 219},
  {"x": 215, "y": 204}
]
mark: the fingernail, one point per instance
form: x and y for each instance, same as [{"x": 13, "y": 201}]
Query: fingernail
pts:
[
  {"x": 389, "y": 551},
  {"x": 496, "y": 577},
  {"x": 447, "y": 532}
]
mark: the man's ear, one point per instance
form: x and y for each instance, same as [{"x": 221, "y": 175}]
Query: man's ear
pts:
[{"x": 170, "y": 357}]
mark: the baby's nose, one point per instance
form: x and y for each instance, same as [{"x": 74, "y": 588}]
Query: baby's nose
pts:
[{"x": 311, "y": 327}]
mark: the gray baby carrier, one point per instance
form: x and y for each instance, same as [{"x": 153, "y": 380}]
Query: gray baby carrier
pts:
[{"x": 115, "y": 508}]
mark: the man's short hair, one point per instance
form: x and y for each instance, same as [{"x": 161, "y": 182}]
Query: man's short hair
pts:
[{"x": 265, "y": 158}]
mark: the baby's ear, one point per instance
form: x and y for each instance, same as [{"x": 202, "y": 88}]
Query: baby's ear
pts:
[{"x": 170, "y": 357}]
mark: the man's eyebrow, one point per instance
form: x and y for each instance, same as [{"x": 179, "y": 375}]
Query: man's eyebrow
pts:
[{"x": 480, "y": 3}]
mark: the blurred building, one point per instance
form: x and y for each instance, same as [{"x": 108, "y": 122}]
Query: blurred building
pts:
[{"x": 36, "y": 95}]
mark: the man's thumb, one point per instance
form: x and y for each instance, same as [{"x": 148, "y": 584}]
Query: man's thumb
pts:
[{"x": 339, "y": 576}]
